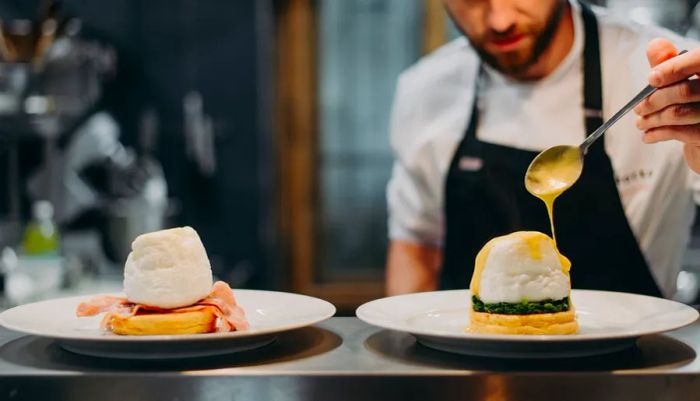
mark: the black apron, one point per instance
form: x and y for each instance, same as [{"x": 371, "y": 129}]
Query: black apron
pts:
[{"x": 485, "y": 197}]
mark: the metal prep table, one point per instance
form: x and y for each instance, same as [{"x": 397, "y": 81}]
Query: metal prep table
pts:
[{"x": 346, "y": 359}]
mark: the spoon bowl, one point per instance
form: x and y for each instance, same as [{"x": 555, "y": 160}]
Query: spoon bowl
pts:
[{"x": 554, "y": 171}]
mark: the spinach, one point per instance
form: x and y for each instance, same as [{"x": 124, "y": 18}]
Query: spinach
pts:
[{"x": 523, "y": 308}]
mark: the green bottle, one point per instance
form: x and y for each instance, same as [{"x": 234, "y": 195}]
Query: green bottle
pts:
[{"x": 41, "y": 235}]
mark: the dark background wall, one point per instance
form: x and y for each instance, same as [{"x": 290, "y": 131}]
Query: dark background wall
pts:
[{"x": 220, "y": 48}]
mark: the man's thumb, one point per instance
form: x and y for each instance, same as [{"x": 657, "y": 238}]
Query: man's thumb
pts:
[{"x": 660, "y": 50}]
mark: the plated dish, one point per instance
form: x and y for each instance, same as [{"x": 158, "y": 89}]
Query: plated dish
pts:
[
  {"x": 521, "y": 285},
  {"x": 168, "y": 289},
  {"x": 520, "y": 305},
  {"x": 608, "y": 322},
  {"x": 170, "y": 308},
  {"x": 268, "y": 312}
]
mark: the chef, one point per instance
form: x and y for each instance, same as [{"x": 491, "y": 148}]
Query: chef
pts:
[{"x": 530, "y": 74}]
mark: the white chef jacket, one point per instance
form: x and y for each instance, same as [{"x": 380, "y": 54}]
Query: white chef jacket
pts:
[{"x": 432, "y": 108}]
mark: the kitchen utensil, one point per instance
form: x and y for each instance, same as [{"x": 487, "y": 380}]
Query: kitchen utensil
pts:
[{"x": 556, "y": 169}]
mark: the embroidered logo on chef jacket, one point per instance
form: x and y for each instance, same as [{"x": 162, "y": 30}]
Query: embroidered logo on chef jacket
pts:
[
  {"x": 468, "y": 163},
  {"x": 633, "y": 177}
]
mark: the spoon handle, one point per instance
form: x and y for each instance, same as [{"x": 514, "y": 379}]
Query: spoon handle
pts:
[{"x": 646, "y": 92}]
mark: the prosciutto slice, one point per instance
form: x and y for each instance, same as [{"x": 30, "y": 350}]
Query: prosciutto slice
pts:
[{"x": 221, "y": 300}]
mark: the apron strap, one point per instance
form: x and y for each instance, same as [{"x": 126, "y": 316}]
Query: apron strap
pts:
[{"x": 592, "y": 77}]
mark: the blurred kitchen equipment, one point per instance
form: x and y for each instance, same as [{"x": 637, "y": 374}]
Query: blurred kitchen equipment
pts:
[
  {"x": 122, "y": 193},
  {"x": 8, "y": 263},
  {"x": 694, "y": 23},
  {"x": 142, "y": 213},
  {"x": 39, "y": 267},
  {"x": 147, "y": 207},
  {"x": 14, "y": 78},
  {"x": 671, "y": 14},
  {"x": 94, "y": 143},
  {"x": 19, "y": 41},
  {"x": 26, "y": 41},
  {"x": 41, "y": 233},
  {"x": 50, "y": 79},
  {"x": 199, "y": 134},
  {"x": 46, "y": 38}
]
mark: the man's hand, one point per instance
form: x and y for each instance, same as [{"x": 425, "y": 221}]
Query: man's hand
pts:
[{"x": 673, "y": 111}]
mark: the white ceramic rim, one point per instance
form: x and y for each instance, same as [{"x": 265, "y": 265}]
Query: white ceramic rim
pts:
[
  {"x": 328, "y": 312},
  {"x": 364, "y": 313}
]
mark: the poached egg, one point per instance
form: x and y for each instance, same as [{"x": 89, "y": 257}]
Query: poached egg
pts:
[
  {"x": 167, "y": 269},
  {"x": 521, "y": 266}
]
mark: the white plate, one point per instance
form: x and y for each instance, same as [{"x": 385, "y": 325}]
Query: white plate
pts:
[
  {"x": 609, "y": 321},
  {"x": 269, "y": 313}
]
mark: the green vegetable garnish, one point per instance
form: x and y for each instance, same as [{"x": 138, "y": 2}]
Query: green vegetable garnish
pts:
[{"x": 523, "y": 308}]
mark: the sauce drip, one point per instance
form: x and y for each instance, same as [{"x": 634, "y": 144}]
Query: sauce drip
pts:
[{"x": 551, "y": 173}]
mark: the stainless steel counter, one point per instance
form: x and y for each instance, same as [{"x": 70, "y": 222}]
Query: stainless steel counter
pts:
[{"x": 346, "y": 359}]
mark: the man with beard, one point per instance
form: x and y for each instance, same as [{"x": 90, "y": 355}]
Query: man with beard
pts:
[{"x": 527, "y": 75}]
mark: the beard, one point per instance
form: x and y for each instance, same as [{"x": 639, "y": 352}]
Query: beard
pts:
[{"x": 517, "y": 62}]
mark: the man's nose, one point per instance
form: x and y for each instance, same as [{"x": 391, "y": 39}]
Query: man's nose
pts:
[{"x": 501, "y": 15}]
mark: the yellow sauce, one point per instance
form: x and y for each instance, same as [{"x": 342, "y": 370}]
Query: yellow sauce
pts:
[
  {"x": 532, "y": 240},
  {"x": 551, "y": 173}
]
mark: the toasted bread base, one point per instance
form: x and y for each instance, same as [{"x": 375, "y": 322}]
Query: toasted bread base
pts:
[
  {"x": 195, "y": 322},
  {"x": 539, "y": 323}
]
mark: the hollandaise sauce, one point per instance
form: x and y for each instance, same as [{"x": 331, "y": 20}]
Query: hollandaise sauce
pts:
[{"x": 551, "y": 173}]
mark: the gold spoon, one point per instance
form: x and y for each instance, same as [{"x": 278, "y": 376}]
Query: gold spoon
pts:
[{"x": 556, "y": 169}]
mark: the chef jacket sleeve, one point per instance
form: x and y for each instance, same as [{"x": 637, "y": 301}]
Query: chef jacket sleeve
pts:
[
  {"x": 415, "y": 212},
  {"x": 695, "y": 186}
]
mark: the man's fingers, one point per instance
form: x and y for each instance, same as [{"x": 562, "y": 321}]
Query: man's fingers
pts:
[
  {"x": 679, "y": 93},
  {"x": 673, "y": 112},
  {"x": 675, "y": 69},
  {"x": 660, "y": 50},
  {"x": 675, "y": 115},
  {"x": 689, "y": 134}
]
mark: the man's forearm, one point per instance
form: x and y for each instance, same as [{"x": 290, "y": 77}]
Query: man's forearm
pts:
[{"x": 412, "y": 267}]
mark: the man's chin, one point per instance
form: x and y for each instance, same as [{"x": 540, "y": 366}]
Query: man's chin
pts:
[{"x": 510, "y": 64}]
